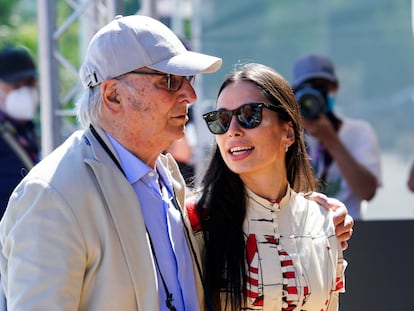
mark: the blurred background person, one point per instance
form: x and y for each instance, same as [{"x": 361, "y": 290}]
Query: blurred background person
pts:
[
  {"x": 18, "y": 103},
  {"x": 410, "y": 181},
  {"x": 182, "y": 151},
  {"x": 344, "y": 152}
]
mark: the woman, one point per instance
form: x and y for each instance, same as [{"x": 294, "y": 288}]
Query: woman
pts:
[{"x": 270, "y": 248}]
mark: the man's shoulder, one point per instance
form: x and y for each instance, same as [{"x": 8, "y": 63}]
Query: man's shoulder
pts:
[
  {"x": 355, "y": 123},
  {"x": 357, "y": 128},
  {"x": 66, "y": 155}
]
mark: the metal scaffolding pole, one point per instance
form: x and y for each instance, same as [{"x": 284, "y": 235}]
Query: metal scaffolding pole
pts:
[
  {"x": 91, "y": 15},
  {"x": 49, "y": 87},
  {"x": 56, "y": 71}
]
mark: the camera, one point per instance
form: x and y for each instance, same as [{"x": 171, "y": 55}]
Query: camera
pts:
[{"x": 312, "y": 102}]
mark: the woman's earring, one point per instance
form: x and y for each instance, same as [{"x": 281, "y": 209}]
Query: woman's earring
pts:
[{"x": 287, "y": 147}]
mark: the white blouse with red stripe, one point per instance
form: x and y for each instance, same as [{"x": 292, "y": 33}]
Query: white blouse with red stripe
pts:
[{"x": 294, "y": 260}]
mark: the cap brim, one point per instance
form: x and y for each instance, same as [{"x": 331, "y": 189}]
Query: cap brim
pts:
[
  {"x": 188, "y": 63},
  {"x": 15, "y": 77},
  {"x": 320, "y": 75}
]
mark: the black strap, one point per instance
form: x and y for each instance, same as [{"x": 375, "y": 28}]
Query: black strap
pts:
[
  {"x": 106, "y": 148},
  {"x": 169, "y": 298}
]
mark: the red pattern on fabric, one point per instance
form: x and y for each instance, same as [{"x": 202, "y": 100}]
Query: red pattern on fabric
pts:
[
  {"x": 252, "y": 281},
  {"x": 306, "y": 293},
  {"x": 259, "y": 302},
  {"x": 251, "y": 249},
  {"x": 193, "y": 216},
  {"x": 253, "y": 270},
  {"x": 291, "y": 307},
  {"x": 289, "y": 275},
  {"x": 252, "y": 254},
  {"x": 339, "y": 284},
  {"x": 251, "y": 294},
  {"x": 271, "y": 239},
  {"x": 287, "y": 263}
]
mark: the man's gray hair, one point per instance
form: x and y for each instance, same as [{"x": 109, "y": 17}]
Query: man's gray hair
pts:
[{"x": 89, "y": 107}]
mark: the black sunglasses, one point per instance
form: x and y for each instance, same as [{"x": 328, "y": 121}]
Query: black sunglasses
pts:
[
  {"x": 172, "y": 83},
  {"x": 248, "y": 115}
]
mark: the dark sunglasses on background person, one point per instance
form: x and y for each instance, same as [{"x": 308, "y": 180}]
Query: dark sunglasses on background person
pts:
[
  {"x": 171, "y": 83},
  {"x": 248, "y": 116}
]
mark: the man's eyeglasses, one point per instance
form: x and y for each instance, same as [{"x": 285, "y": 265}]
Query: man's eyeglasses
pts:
[
  {"x": 248, "y": 115},
  {"x": 171, "y": 83}
]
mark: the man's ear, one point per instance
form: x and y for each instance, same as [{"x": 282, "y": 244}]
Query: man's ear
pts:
[{"x": 110, "y": 95}]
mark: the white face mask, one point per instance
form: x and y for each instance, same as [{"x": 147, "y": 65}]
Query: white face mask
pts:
[{"x": 21, "y": 103}]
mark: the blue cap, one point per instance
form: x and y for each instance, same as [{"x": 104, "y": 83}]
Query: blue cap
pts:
[
  {"x": 313, "y": 66},
  {"x": 16, "y": 64}
]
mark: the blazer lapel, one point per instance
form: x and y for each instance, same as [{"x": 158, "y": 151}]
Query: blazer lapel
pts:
[{"x": 123, "y": 206}]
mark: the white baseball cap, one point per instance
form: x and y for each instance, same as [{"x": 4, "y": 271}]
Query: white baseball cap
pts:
[{"x": 137, "y": 41}]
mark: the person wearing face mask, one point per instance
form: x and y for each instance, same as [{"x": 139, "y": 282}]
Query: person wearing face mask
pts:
[
  {"x": 344, "y": 152},
  {"x": 18, "y": 102}
]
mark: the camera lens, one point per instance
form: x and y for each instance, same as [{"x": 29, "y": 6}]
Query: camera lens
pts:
[{"x": 311, "y": 102}]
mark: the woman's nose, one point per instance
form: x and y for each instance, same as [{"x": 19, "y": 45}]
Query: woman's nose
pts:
[{"x": 234, "y": 127}]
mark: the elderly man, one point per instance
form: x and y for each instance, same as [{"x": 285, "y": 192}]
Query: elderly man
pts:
[{"x": 98, "y": 225}]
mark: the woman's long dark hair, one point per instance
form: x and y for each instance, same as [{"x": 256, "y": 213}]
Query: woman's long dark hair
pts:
[{"x": 224, "y": 199}]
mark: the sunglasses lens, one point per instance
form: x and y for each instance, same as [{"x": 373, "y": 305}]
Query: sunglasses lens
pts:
[
  {"x": 175, "y": 82},
  {"x": 218, "y": 121},
  {"x": 190, "y": 79},
  {"x": 249, "y": 115}
]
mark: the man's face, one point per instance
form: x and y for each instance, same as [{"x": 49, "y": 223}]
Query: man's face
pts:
[
  {"x": 5, "y": 88},
  {"x": 325, "y": 86},
  {"x": 153, "y": 116}
]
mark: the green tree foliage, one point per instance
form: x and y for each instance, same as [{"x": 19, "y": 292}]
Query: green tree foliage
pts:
[
  {"x": 18, "y": 24},
  {"x": 5, "y": 12}
]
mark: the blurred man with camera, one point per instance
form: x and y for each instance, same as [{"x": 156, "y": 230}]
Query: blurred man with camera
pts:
[{"x": 344, "y": 152}]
